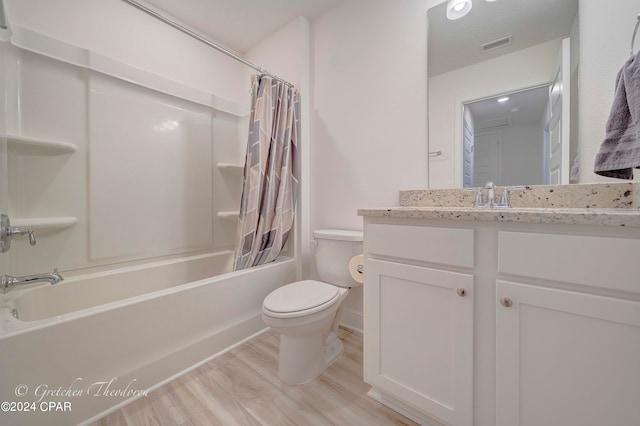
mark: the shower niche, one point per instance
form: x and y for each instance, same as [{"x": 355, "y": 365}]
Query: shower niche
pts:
[{"x": 110, "y": 164}]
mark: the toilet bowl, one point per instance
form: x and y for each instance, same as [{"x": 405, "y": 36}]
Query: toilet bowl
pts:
[{"x": 307, "y": 313}]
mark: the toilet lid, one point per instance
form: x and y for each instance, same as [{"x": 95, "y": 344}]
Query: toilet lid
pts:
[{"x": 300, "y": 296}]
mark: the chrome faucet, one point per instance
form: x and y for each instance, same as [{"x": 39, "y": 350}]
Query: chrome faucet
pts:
[
  {"x": 491, "y": 194},
  {"x": 7, "y": 282},
  {"x": 491, "y": 202}
]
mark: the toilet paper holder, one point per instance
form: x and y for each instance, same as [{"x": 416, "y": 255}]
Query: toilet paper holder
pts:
[{"x": 356, "y": 268}]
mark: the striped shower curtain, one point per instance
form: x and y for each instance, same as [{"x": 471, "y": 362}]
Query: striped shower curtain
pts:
[{"x": 270, "y": 188}]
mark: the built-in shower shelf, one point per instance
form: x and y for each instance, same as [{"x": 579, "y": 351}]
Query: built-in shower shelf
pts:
[
  {"x": 236, "y": 168},
  {"x": 230, "y": 215},
  {"x": 36, "y": 146},
  {"x": 45, "y": 223}
]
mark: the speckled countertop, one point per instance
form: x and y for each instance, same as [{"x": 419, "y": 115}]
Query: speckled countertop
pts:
[{"x": 616, "y": 204}]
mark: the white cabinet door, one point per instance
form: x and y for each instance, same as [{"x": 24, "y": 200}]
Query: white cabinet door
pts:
[
  {"x": 418, "y": 337},
  {"x": 566, "y": 358}
]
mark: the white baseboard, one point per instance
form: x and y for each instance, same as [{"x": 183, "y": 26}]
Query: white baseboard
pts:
[{"x": 352, "y": 320}]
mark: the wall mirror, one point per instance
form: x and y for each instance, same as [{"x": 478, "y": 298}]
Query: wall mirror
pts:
[{"x": 523, "y": 50}]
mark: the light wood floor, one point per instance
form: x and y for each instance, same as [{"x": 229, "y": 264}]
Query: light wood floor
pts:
[{"x": 241, "y": 387}]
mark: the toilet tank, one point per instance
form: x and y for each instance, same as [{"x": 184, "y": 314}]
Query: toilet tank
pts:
[{"x": 335, "y": 249}]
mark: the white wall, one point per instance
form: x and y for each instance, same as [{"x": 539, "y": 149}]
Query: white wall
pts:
[
  {"x": 369, "y": 119},
  {"x": 526, "y": 68},
  {"x": 369, "y": 108},
  {"x": 284, "y": 53},
  {"x": 119, "y": 31},
  {"x": 605, "y": 37}
]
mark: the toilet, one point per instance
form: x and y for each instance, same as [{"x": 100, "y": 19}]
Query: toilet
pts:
[{"x": 307, "y": 313}]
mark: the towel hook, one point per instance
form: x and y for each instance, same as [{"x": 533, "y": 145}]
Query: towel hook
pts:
[{"x": 633, "y": 37}]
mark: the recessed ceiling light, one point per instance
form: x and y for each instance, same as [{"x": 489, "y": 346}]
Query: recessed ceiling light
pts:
[
  {"x": 504, "y": 99},
  {"x": 456, "y": 9}
]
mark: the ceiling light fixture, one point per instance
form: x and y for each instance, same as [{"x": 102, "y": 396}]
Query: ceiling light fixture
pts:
[
  {"x": 456, "y": 9},
  {"x": 505, "y": 99}
]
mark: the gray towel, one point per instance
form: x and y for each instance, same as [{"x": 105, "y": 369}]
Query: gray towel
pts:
[{"x": 620, "y": 151}]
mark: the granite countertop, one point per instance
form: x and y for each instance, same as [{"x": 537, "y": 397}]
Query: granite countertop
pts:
[
  {"x": 609, "y": 204},
  {"x": 570, "y": 216}
]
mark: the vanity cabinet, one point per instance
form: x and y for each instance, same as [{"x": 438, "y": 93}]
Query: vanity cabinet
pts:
[
  {"x": 507, "y": 324},
  {"x": 567, "y": 352},
  {"x": 418, "y": 318}
]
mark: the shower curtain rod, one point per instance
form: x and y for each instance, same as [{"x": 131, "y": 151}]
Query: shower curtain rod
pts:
[{"x": 198, "y": 37}]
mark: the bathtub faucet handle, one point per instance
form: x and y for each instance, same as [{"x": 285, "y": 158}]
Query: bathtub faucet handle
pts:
[
  {"x": 7, "y": 232},
  {"x": 32, "y": 238}
]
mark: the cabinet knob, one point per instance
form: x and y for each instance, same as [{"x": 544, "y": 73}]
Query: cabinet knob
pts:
[
  {"x": 506, "y": 302},
  {"x": 461, "y": 292}
]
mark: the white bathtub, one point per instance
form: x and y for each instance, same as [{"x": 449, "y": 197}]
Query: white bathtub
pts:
[{"x": 96, "y": 342}]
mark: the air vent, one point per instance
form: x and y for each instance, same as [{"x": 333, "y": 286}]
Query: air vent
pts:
[
  {"x": 496, "y": 44},
  {"x": 493, "y": 124}
]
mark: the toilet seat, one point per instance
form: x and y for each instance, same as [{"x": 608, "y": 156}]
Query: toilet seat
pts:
[{"x": 300, "y": 298}]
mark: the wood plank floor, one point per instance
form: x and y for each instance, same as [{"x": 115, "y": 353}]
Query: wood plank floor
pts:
[{"x": 241, "y": 387}]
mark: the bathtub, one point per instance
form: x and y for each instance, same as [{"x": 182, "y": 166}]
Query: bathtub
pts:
[{"x": 93, "y": 343}]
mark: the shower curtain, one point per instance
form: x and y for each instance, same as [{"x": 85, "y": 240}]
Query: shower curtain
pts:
[{"x": 270, "y": 188}]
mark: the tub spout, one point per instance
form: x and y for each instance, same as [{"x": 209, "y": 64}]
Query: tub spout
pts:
[{"x": 7, "y": 282}]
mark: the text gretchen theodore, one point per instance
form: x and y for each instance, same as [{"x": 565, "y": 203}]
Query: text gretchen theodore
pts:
[{"x": 76, "y": 389}]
